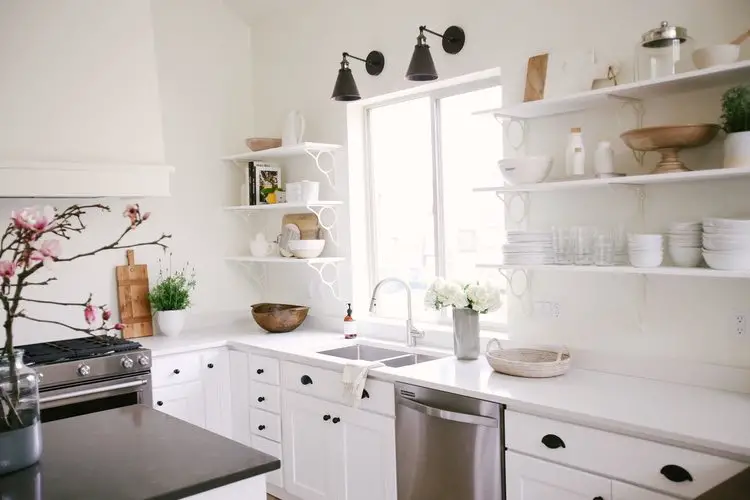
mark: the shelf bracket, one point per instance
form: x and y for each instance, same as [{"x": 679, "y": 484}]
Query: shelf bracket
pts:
[
  {"x": 320, "y": 269},
  {"x": 257, "y": 271},
  {"x": 509, "y": 275},
  {"x": 507, "y": 199},
  {"x": 506, "y": 130},
  {"x": 640, "y": 112},
  {"x": 330, "y": 172},
  {"x": 318, "y": 211}
]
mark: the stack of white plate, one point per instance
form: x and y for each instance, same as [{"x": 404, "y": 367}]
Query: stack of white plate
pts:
[
  {"x": 726, "y": 243},
  {"x": 645, "y": 250},
  {"x": 685, "y": 242},
  {"x": 528, "y": 248}
]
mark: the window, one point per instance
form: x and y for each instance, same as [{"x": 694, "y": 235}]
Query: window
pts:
[{"x": 425, "y": 156}]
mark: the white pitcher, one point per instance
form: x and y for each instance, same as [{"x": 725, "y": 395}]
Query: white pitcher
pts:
[{"x": 294, "y": 129}]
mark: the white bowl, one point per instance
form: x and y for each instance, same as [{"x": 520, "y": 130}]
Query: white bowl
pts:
[
  {"x": 526, "y": 170},
  {"x": 646, "y": 259},
  {"x": 726, "y": 243},
  {"x": 716, "y": 55},
  {"x": 306, "y": 249},
  {"x": 721, "y": 224},
  {"x": 686, "y": 257},
  {"x": 727, "y": 261}
]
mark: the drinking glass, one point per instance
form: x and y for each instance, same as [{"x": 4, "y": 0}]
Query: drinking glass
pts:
[
  {"x": 562, "y": 245},
  {"x": 604, "y": 250},
  {"x": 584, "y": 245},
  {"x": 620, "y": 241}
]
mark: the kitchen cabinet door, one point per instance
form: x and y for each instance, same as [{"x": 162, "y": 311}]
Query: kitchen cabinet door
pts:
[
  {"x": 307, "y": 452},
  {"x": 533, "y": 479},
  {"x": 622, "y": 491},
  {"x": 364, "y": 452},
  {"x": 239, "y": 379},
  {"x": 217, "y": 392},
  {"x": 183, "y": 401}
]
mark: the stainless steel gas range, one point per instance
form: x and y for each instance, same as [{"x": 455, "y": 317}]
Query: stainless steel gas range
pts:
[{"x": 90, "y": 374}]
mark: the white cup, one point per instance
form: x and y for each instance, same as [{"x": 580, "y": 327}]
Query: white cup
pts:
[
  {"x": 310, "y": 190},
  {"x": 293, "y": 192}
]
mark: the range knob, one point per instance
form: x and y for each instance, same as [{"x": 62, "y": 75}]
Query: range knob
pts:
[
  {"x": 84, "y": 370},
  {"x": 143, "y": 360},
  {"x": 127, "y": 363}
]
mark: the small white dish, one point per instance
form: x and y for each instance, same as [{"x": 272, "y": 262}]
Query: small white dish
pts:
[
  {"x": 686, "y": 257},
  {"x": 727, "y": 261},
  {"x": 716, "y": 55},
  {"x": 646, "y": 259},
  {"x": 525, "y": 170},
  {"x": 306, "y": 249}
]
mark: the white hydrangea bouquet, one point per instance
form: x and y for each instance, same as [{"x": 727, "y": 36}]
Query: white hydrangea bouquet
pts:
[{"x": 480, "y": 296}]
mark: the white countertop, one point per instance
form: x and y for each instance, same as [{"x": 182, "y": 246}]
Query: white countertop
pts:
[{"x": 702, "y": 419}]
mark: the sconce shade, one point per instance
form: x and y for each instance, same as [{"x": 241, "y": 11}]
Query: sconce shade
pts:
[
  {"x": 345, "y": 88},
  {"x": 422, "y": 67}
]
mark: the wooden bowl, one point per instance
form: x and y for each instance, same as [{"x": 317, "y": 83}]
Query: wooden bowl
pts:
[
  {"x": 262, "y": 143},
  {"x": 279, "y": 318},
  {"x": 669, "y": 140}
]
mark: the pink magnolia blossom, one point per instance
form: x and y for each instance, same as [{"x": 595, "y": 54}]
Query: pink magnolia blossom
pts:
[
  {"x": 132, "y": 212},
  {"x": 33, "y": 218},
  {"x": 106, "y": 314},
  {"x": 119, "y": 326},
  {"x": 89, "y": 313},
  {"x": 46, "y": 252},
  {"x": 7, "y": 269},
  {"x": 146, "y": 216}
]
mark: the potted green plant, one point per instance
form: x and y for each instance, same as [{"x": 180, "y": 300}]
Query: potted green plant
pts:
[
  {"x": 171, "y": 297},
  {"x": 735, "y": 117}
]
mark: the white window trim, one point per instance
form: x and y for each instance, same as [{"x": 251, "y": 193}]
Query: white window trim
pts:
[{"x": 359, "y": 111}]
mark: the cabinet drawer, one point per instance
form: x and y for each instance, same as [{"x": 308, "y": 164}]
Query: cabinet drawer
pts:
[
  {"x": 326, "y": 384},
  {"x": 274, "y": 449},
  {"x": 635, "y": 460},
  {"x": 175, "y": 369},
  {"x": 266, "y": 397},
  {"x": 265, "y": 424},
  {"x": 264, "y": 369}
]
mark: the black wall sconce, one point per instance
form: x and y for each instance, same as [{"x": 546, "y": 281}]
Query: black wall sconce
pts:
[
  {"x": 422, "y": 67},
  {"x": 346, "y": 88}
]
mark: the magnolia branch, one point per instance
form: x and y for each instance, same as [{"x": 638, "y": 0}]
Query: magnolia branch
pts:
[
  {"x": 116, "y": 246},
  {"x": 56, "y": 303},
  {"x": 88, "y": 331},
  {"x": 38, "y": 283}
]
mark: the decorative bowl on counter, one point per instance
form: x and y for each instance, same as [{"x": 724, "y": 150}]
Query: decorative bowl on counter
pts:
[
  {"x": 669, "y": 140},
  {"x": 542, "y": 362},
  {"x": 262, "y": 143},
  {"x": 525, "y": 170},
  {"x": 279, "y": 318},
  {"x": 306, "y": 249}
]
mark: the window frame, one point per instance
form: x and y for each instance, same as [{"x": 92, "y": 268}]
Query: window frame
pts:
[{"x": 435, "y": 95}]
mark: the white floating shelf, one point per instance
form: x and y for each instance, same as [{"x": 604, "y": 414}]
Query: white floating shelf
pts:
[
  {"x": 282, "y": 206},
  {"x": 684, "y": 82},
  {"x": 697, "y": 272},
  {"x": 305, "y": 148},
  {"x": 286, "y": 260},
  {"x": 630, "y": 180}
]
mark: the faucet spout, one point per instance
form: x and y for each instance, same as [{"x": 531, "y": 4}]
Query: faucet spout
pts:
[{"x": 412, "y": 333}]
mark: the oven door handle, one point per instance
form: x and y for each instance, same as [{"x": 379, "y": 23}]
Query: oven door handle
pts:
[
  {"x": 464, "y": 418},
  {"x": 88, "y": 392}
]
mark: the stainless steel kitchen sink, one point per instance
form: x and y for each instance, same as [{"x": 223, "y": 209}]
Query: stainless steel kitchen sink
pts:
[
  {"x": 363, "y": 352},
  {"x": 409, "y": 359}
]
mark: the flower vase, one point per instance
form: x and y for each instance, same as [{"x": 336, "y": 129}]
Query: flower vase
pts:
[
  {"x": 171, "y": 322},
  {"x": 737, "y": 150},
  {"x": 465, "y": 333},
  {"x": 20, "y": 425}
]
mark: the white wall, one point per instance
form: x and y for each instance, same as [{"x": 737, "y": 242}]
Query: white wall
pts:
[
  {"x": 296, "y": 56},
  {"x": 136, "y": 81}
]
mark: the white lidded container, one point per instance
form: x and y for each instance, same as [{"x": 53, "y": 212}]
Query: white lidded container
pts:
[
  {"x": 661, "y": 51},
  {"x": 575, "y": 154},
  {"x": 604, "y": 159}
]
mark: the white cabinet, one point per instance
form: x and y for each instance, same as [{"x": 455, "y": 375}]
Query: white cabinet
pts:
[
  {"x": 335, "y": 452},
  {"x": 238, "y": 382},
  {"x": 183, "y": 401},
  {"x": 622, "y": 491},
  {"x": 217, "y": 391},
  {"x": 528, "y": 478}
]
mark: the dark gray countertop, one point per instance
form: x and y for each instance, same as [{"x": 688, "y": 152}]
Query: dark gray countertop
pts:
[
  {"x": 132, "y": 453},
  {"x": 734, "y": 488}
]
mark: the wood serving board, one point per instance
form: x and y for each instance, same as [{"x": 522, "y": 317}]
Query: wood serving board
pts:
[
  {"x": 536, "y": 78},
  {"x": 307, "y": 224},
  {"x": 132, "y": 295}
]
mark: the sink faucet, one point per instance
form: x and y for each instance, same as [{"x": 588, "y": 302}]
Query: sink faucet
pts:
[{"x": 412, "y": 333}]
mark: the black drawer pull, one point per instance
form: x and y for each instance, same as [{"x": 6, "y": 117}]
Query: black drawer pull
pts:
[
  {"x": 675, "y": 473},
  {"x": 160, "y": 403},
  {"x": 261, "y": 399},
  {"x": 261, "y": 427},
  {"x": 259, "y": 371},
  {"x": 176, "y": 371},
  {"x": 553, "y": 442},
  {"x": 598, "y": 498},
  {"x": 306, "y": 380},
  {"x": 336, "y": 420},
  {"x": 365, "y": 394},
  {"x": 210, "y": 365},
  {"x": 326, "y": 418}
]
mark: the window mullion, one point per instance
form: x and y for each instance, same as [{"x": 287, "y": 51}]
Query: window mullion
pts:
[{"x": 437, "y": 191}]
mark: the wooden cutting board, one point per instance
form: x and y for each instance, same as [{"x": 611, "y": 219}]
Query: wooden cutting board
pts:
[
  {"x": 536, "y": 78},
  {"x": 307, "y": 224},
  {"x": 132, "y": 295}
]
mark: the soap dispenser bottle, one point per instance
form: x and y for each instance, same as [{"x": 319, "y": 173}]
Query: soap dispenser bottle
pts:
[{"x": 350, "y": 326}]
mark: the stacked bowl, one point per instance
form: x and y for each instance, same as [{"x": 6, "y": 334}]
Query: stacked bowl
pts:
[
  {"x": 726, "y": 244},
  {"x": 685, "y": 242},
  {"x": 528, "y": 248},
  {"x": 645, "y": 250}
]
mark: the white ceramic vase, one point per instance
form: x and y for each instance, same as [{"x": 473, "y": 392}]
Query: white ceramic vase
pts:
[
  {"x": 737, "y": 150},
  {"x": 171, "y": 323}
]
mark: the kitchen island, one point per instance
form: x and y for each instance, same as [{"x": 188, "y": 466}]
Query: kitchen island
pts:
[{"x": 136, "y": 453}]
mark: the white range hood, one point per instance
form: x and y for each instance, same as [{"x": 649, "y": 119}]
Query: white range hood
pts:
[{"x": 83, "y": 180}]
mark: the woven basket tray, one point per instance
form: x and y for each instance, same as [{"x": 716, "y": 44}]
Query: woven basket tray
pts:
[{"x": 532, "y": 363}]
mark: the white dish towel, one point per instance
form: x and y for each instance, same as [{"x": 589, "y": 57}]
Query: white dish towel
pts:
[{"x": 354, "y": 378}]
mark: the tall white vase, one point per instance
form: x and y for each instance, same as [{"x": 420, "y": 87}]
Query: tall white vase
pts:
[
  {"x": 171, "y": 323},
  {"x": 737, "y": 150}
]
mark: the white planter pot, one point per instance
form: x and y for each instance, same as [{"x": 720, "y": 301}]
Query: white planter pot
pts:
[
  {"x": 737, "y": 150},
  {"x": 171, "y": 322}
]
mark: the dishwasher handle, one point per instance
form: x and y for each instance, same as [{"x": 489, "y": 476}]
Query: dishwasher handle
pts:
[{"x": 464, "y": 418}]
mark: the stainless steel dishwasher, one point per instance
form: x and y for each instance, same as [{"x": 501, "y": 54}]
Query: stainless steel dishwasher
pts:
[{"x": 448, "y": 447}]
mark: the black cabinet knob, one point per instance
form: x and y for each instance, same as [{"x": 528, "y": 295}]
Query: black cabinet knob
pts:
[
  {"x": 365, "y": 394},
  {"x": 553, "y": 442},
  {"x": 259, "y": 371},
  {"x": 336, "y": 420},
  {"x": 261, "y": 399},
  {"x": 176, "y": 371},
  {"x": 675, "y": 473},
  {"x": 306, "y": 380},
  {"x": 210, "y": 365},
  {"x": 326, "y": 418},
  {"x": 598, "y": 498},
  {"x": 160, "y": 403},
  {"x": 261, "y": 427}
]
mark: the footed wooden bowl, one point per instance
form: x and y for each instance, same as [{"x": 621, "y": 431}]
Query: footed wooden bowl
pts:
[
  {"x": 279, "y": 318},
  {"x": 669, "y": 140}
]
